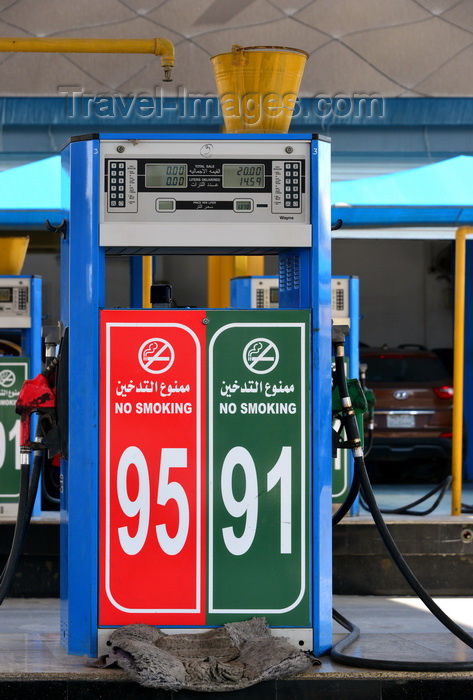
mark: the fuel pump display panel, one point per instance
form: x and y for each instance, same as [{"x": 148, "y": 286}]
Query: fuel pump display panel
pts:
[{"x": 190, "y": 188}]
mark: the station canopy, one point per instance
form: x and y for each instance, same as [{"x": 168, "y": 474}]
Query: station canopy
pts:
[
  {"x": 433, "y": 195},
  {"x": 438, "y": 195},
  {"x": 30, "y": 194}
]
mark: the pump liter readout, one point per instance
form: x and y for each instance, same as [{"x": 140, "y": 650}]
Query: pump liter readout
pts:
[{"x": 191, "y": 188}]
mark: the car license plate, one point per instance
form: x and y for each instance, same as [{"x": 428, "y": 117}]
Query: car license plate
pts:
[{"x": 400, "y": 420}]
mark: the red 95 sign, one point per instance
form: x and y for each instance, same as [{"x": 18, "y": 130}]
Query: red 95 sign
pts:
[{"x": 152, "y": 468}]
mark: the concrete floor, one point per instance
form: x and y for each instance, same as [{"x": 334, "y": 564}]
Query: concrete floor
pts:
[
  {"x": 395, "y": 628},
  {"x": 392, "y": 628}
]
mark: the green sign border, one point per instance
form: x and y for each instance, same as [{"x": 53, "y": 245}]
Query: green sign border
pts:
[
  {"x": 260, "y": 321},
  {"x": 8, "y": 473}
]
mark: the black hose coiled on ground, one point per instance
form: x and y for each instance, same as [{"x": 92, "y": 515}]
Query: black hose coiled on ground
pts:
[
  {"x": 351, "y": 429},
  {"x": 442, "y": 488}
]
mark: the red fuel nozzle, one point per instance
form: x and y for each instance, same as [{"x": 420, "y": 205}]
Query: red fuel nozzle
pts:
[{"x": 36, "y": 396}]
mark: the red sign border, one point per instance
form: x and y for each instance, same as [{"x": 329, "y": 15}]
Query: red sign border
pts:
[{"x": 107, "y": 325}]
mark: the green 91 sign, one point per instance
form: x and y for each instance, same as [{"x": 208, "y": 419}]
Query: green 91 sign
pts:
[
  {"x": 258, "y": 457},
  {"x": 13, "y": 372}
]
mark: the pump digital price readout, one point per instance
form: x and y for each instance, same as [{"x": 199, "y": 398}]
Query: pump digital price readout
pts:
[
  {"x": 165, "y": 175},
  {"x": 174, "y": 176},
  {"x": 236, "y": 176}
]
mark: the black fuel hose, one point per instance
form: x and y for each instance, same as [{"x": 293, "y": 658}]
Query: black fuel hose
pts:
[
  {"x": 351, "y": 429},
  {"x": 349, "y": 500},
  {"x": 442, "y": 488},
  {"x": 29, "y": 482},
  {"x": 369, "y": 442},
  {"x": 28, "y": 490}
]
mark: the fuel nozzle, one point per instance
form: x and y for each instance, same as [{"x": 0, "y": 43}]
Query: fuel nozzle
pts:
[
  {"x": 161, "y": 296},
  {"x": 167, "y": 74}
]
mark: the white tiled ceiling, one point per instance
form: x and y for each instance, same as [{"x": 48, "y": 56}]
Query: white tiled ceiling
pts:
[{"x": 390, "y": 47}]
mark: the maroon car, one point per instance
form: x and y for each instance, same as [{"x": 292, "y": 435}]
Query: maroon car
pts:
[{"x": 413, "y": 410}]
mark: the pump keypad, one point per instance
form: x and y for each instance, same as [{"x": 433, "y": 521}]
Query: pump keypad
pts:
[
  {"x": 117, "y": 183},
  {"x": 22, "y": 298},
  {"x": 122, "y": 185},
  {"x": 292, "y": 186},
  {"x": 287, "y": 187}
]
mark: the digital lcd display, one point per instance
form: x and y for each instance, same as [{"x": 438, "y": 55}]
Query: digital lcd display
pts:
[
  {"x": 6, "y": 294},
  {"x": 243, "y": 206},
  {"x": 240, "y": 176},
  {"x": 273, "y": 295},
  {"x": 166, "y": 205},
  {"x": 166, "y": 175}
]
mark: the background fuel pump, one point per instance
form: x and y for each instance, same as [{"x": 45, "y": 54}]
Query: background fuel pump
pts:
[
  {"x": 20, "y": 357},
  {"x": 263, "y": 292}
]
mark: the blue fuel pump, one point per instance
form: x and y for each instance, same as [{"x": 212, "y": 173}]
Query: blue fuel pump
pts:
[{"x": 201, "y": 492}]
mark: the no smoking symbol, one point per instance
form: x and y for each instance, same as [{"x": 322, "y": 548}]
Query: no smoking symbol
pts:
[
  {"x": 7, "y": 378},
  {"x": 261, "y": 355},
  {"x": 156, "y": 355}
]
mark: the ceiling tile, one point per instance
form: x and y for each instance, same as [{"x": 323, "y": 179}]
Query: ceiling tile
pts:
[
  {"x": 219, "y": 12},
  {"x": 6, "y": 30},
  {"x": 136, "y": 27},
  {"x": 450, "y": 78},
  {"x": 409, "y": 54},
  {"x": 341, "y": 17},
  {"x": 461, "y": 14},
  {"x": 438, "y": 6},
  {"x": 43, "y": 76},
  {"x": 53, "y": 16},
  {"x": 185, "y": 17},
  {"x": 289, "y": 7},
  {"x": 410, "y": 93},
  {"x": 143, "y": 6},
  {"x": 334, "y": 69},
  {"x": 285, "y": 32}
]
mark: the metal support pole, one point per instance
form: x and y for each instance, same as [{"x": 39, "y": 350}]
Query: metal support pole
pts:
[
  {"x": 147, "y": 280},
  {"x": 458, "y": 367},
  {"x": 222, "y": 268}
]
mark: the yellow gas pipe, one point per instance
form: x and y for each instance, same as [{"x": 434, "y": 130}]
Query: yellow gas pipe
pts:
[{"x": 157, "y": 47}]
